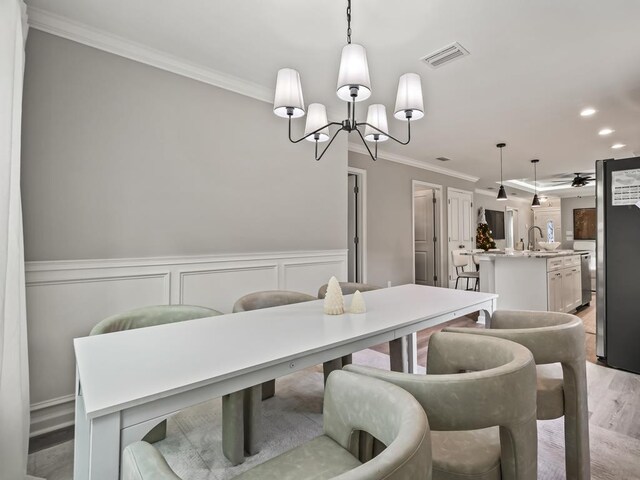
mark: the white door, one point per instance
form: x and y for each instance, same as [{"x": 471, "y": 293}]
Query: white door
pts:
[
  {"x": 462, "y": 227},
  {"x": 424, "y": 235},
  {"x": 548, "y": 219}
]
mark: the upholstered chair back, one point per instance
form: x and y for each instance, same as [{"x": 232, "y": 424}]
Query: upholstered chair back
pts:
[
  {"x": 353, "y": 403},
  {"x": 348, "y": 288},
  {"x": 151, "y": 316},
  {"x": 552, "y": 337},
  {"x": 269, "y": 298},
  {"x": 475, "y": 382}
]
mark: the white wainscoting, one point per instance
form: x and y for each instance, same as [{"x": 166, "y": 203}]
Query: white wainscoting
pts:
[{"x": 66, "y": 299}]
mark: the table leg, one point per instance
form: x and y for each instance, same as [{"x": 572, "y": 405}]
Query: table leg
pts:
[
  {"x": 104, "y": 447},
  {"x": 81, "y": 439}
]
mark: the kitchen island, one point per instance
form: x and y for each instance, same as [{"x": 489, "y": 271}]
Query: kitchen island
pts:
[{"x": 532, "y": 280}]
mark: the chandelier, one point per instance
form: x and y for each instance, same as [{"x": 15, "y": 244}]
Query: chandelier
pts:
[{"x": 354, "y": 85}]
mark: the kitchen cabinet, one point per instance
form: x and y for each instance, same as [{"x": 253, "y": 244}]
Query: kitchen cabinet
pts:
[
  {"x": 540, "y": 281},
  {"x": 564, "y": 289}
]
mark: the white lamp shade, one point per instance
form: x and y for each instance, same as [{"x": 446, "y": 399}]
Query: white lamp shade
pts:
[
  {"x": 316, "y": 118},
  {"x": 288, "y": 94},
  {"x": 354, "y": 72},
  {"x": 376, "y": 116},
  {"x": 409, "y": 97}
]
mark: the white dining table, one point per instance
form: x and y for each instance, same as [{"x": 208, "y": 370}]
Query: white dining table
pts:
[{"x": 127, "y": 382}]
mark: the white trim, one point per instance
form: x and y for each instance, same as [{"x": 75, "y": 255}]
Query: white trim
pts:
[
  {"x": 392, "y": 157},
  {"x": 459, "y": 190},
  {"x": 81, "y": 33},
  {"x": 363, "y": 224},
  {"x": 443, "y": 258},
  {"x": 59, "y": 265},
  {"x": 489, "y": 193},
  {"x": 90, "y": 290},
  {"x": 51, "y": 415}
]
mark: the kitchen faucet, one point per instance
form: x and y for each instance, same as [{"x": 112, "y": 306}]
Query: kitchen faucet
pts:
[{"x": 533, "y": 244}]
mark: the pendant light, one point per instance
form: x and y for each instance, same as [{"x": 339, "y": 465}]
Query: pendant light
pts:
[
  {"x": 536, "y": 200},
  {"x": 502, "y": 193},
  {"x": 354, "y": 86}
]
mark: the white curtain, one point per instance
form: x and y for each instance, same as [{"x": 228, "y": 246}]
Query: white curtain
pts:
[{"x": 14, "y": 379}]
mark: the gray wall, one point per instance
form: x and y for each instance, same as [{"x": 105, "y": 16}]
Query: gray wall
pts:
[
  {"x": 389, "y": 222},
  {"x": 566, "y": 210},
  {"x": 525, "y": 214},
  {"x": 121, "y": 159}
]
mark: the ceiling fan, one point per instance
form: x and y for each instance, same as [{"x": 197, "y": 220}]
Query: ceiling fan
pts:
[
  {"x": 580, "y": 181},
  {"x": 577, "y": 181}
]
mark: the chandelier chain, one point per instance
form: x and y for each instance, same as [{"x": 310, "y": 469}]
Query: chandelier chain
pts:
[{"x": 349, "y": 21}]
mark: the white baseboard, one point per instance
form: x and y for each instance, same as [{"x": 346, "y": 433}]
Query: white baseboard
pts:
[
  {"x": 52, "y": 415},
  {"x": 65, "y": 299}
]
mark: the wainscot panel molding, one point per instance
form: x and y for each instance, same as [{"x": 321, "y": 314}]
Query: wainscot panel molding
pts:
[{"x": 65, "y": 299}]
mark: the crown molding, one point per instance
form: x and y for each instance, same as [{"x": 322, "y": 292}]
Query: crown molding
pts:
[
  {"x": 71, "y": 30},
  {"x": 392, "y": 157}
]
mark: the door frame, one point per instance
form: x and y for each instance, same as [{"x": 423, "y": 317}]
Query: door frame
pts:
[
  {"x": 473, "y": 212},
  {"x": 362, "y": 215},
  {"x": 443, "y": 263},
  {"x": 516, "y": 226}
]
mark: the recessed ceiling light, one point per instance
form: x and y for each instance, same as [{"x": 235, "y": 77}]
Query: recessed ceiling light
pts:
[
  {"x": 618, "y": 145},
  {"x": 587, "y": 112},
  {"x": 606, "y": 131}
]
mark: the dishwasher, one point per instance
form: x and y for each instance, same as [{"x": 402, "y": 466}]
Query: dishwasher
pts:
[{"x": 585, "y": 260}]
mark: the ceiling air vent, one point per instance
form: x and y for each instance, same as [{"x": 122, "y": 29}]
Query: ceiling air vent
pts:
[
  {"x": 443, "y": 159},
  {"x": 445, "y": 55}
]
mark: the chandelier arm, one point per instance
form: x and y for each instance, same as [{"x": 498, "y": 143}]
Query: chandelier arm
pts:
[
  {"x": 374, "y": 158},
  {"x": 328, "y": 145},
  {"x": 390, "y": 136},
  {"x": 312, "y": 133}
]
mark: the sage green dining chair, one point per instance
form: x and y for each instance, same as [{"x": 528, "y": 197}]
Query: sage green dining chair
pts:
[
  {"x": 149, "y": 317},
  {"x": 352, "y": 404},
  {"x": 557, "y": 342},
  {"x": 480, "y": 396}
]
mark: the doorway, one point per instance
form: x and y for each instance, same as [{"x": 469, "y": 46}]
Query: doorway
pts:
[
  {"x": 427, "y": 228},
  {"x": 356, "y": 225},
  {"x": 462, "y": 228}
]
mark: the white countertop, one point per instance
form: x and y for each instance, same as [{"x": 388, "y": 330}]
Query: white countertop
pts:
[{"x": 525, "y": 254}]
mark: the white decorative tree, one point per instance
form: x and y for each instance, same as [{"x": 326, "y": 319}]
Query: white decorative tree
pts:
[
  {"x": 333, "y": 301},
  {"x": 357, "y": 303}
]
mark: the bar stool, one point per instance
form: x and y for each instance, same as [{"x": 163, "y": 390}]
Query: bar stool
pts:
[{"x": 460, "y": 261}]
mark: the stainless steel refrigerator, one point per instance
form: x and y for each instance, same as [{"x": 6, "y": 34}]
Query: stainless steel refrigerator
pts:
[{"x": 618, "y": 263}]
